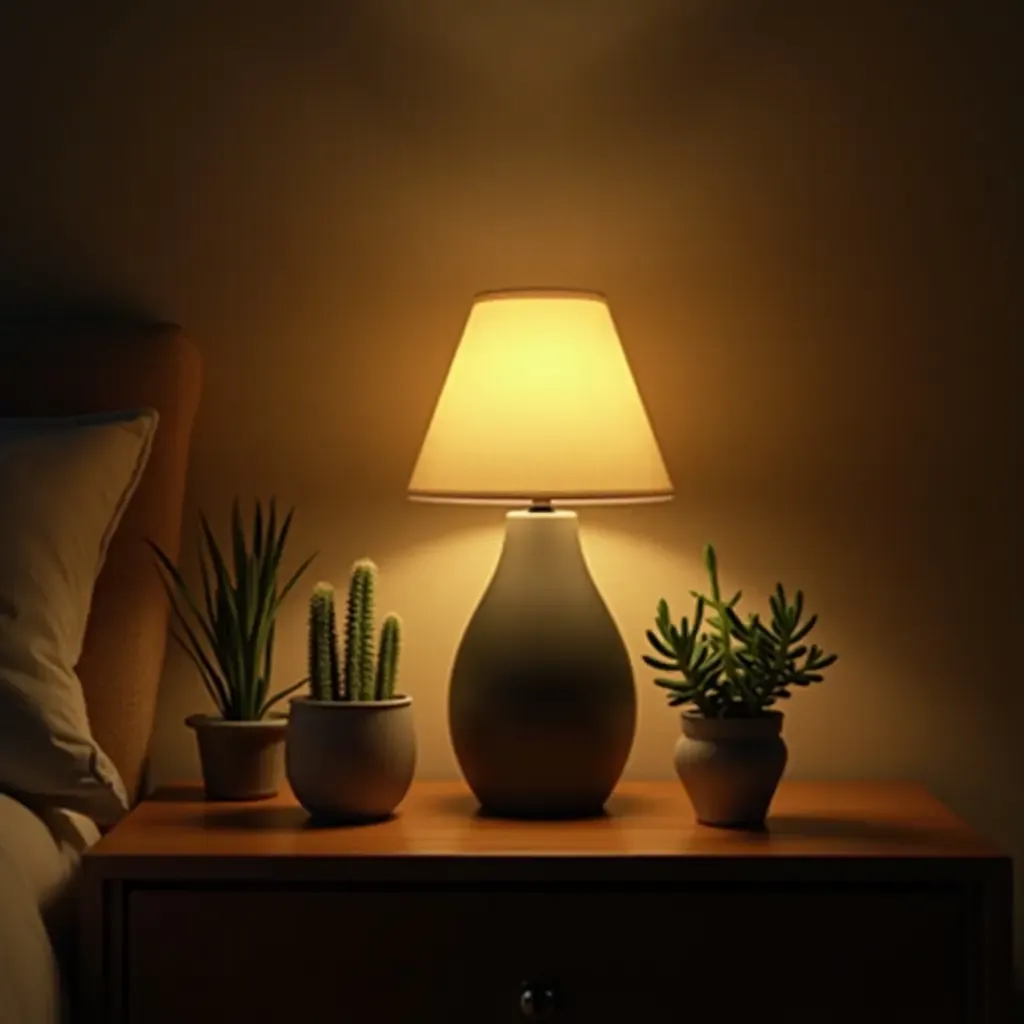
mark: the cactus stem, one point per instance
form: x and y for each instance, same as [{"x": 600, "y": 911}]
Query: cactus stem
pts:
[{"x": 323, "y": 654}]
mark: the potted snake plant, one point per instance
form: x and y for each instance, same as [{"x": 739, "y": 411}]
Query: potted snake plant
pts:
[
  {"x": 228, "y": 635},
  {"x": 350, "y": 750},
  {"x": 731, "y": 754}
]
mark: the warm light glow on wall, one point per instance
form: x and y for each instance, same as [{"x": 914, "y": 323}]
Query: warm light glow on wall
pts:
[{"x": 540, "y": 402}]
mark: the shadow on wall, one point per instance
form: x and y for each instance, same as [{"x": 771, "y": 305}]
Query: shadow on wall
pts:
[{"x": 23, "y": 319}]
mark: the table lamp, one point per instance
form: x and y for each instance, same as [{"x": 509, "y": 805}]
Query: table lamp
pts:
[{"x": 540, "y": 410}]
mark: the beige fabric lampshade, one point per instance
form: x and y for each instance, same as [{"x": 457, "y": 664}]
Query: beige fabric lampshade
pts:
[{"x": 540, "y": 403}]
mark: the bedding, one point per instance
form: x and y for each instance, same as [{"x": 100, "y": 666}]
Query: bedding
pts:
[
  {"x": 57, "y": 369},
  {"x": 64, "y": 485},
  {"x": 39, "y": 854}
]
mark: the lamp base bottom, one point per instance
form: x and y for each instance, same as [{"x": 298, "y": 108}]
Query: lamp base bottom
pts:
[{"x": 520, "y": 812}]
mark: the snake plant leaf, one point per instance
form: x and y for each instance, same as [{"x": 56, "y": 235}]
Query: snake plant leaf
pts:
[
  {"x": 286, "y": 589},
  {"x": 239, "y": 606},
  {"x": 282, "y": 537},
  {"x": 180, "y": 590},
  {"x": 280, "y": 696},
  {"x": 191, "y": 643},
  {"x": 253, "y": 566},
  {"x": 269, "y": 552},
  {"x": 264, "y": 681},
  {"x": 257, "y": 527},
  {"x": 218, "y": 683},
  {"x": 208, "y": 601},
  {"x": 220, "y": 570},
  {"x": 270, "y": 560},
  {"x": 216, "y": 692},
  {"x": 242, "y": 582},
  {"x": 195, "y": 651},
  {"x": 227, "y": 625}
]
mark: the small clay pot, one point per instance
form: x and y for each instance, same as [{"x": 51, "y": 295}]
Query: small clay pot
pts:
[
  {"x": 240, "y": 760},
  {"x": 350, "y": 761},
  {"x": 730, "y": 767}
]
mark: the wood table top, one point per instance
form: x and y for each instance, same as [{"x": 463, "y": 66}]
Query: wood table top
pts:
[{"x": 838, "y": 819}]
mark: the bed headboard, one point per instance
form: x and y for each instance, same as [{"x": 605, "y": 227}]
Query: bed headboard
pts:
[{"x": 56, "y": 371}]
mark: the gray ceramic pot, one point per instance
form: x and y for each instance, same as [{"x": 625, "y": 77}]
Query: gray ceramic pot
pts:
[
  {"x": 240, "y": 760},
  {"x": 350, "y": 761},
  {"x": 730, "y": 767}
]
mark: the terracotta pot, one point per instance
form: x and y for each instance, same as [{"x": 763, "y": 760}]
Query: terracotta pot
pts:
[
  {"x": 350, "y": 761},
  {"x": 730, "y": 767},
  {"x": 240, "y": 760}
]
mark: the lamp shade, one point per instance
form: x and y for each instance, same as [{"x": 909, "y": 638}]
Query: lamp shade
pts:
[{"x": 540, "y": 405}]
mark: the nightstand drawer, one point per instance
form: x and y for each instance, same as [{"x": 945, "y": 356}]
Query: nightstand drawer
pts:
[{"x": 394, "y": 955}]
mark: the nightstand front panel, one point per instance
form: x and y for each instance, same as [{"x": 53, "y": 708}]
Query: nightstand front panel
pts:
[{"x": 802, "y": 953}]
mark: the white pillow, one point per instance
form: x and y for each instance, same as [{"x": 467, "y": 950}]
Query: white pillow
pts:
[{"x": 64, "y": 484}]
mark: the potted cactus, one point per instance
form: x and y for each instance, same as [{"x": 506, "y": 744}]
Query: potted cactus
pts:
[
  {"x": 350, "y": 749},
  {"x": 731, "y": 754}
]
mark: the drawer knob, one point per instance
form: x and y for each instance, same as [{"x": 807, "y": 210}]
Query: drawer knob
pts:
[{"x": 537, "y": 1000}]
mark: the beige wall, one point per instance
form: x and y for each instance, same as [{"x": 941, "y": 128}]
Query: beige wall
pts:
[{"x": 807, "y": 217}]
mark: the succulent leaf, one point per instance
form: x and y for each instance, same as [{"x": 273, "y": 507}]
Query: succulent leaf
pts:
[
  {"x": 655, "y": 641},
  {"x": 735, "y": 666}
]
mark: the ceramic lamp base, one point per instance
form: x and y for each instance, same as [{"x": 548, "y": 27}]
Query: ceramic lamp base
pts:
[{"x": 542, "y": 706}]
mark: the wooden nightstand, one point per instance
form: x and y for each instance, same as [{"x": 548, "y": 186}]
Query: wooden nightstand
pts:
[{"x": 860, "y": 902}]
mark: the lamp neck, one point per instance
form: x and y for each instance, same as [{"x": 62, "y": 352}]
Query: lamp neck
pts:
[{"x": 542, "y": 545}]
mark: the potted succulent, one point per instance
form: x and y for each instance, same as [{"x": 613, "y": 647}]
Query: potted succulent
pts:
[
  {"x": 350, "y": 750},
  {"x": 229, "y": 637},
  {"x": 731, "y": 754}
]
